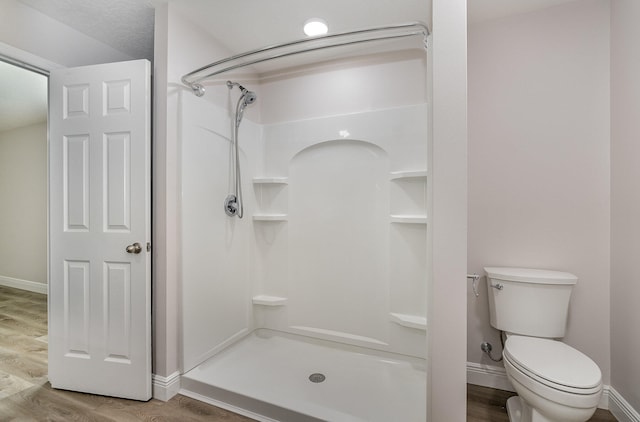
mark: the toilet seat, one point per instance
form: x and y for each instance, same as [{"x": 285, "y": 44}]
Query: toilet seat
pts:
[{"x": 554, "y": 364}]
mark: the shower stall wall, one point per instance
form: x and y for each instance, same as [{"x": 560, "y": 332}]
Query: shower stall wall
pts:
[
  {"x": 337, "y": 243},
  {"x": 215, "y": 289},
  {"x": 333, "y": 244}
]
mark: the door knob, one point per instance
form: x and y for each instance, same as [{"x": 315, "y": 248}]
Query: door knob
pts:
[{"x": 135, "y": 248}]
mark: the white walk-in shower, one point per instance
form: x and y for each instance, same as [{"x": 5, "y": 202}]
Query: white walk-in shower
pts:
[{"x": 312, "y": 306}]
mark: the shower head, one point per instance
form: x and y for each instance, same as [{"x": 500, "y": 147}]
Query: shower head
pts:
[
  {"x": 250, "y": 97},
  {"x": 247, "y": 97}
]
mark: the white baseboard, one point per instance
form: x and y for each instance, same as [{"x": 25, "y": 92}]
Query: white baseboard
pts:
[
  {"x": 16, "y": 283},
  {"x": 488, "y": 376},
  {"x": 164, "y": 388},
  {"x": 605, "y": 399},
  {"x": 621, "y": 409},
  {"x": 496, "y": 377}
]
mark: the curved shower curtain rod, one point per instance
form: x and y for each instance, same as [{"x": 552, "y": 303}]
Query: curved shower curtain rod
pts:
[{"x": 193, "y": 79}]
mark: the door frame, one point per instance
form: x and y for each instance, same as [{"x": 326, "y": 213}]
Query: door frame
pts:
[{"x": 33, "y": 63}]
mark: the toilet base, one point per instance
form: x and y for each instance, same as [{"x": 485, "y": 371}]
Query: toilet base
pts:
[
  {"x": 520, "y": 411},
  {"x": 514, "y": 409}
]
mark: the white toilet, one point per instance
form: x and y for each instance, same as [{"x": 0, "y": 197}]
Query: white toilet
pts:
[{"x": 554, "y": 382}]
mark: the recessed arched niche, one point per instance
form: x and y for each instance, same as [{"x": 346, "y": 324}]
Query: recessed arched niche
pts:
[
  {"x": 339, "y": 238},
  {"x": 340, "y": 230}
]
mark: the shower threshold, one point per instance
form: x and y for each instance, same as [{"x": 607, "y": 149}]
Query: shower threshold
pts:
[{"x": 275, "y": 376}]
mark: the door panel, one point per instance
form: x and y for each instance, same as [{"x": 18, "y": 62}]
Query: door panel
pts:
[
  {"x": 75, "y": 169},
  {"x": 117, "y": 176},
  {"x": 99, "y": 199}
]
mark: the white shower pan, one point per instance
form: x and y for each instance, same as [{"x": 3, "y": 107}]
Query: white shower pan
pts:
[{"x": 266, "y": 376}]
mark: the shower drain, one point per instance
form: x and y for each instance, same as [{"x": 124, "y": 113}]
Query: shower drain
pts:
[{"x": 317, "y": 377}]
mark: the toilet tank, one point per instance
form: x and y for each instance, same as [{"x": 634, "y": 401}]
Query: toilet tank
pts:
[{"x": 529, "y": 302}]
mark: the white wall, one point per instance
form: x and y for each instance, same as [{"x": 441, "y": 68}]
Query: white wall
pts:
[
  {"x": 625, "y": 199},
  {"x": 23, "y": 204},
  {"x": 447, "y": 202},
  {"x": 346, "y": 86},
  {"x": 539, "y": 161},
  {"x": 214, "y": 250},
  {"x": 180, "y": 47},
  {"x": 29, "y": 30}
]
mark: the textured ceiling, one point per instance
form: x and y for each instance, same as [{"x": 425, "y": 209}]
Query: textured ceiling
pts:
[{"x": 126, "y": 25}]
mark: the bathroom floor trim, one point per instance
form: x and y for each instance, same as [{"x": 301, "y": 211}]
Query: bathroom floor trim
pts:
[
  {"x": 488, "y": 376},
  {"x": 17, "y": 283},
  {"x": 496, "y": 377},
  {"x": 164, "y": 388},
  {"x": 621, "y": 409}
]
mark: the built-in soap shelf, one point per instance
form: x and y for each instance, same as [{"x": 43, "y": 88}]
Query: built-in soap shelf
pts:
[
  {"x": 266, "y": 300},
  {"x": 410, "y": 321},
  {"x": 407, "y": 174},
  {"x": 268, "y": 184},
  {"x": 270, "y": 217},
  {"x": 408, "y": 219},
  {"x": 270, "y": 180}
]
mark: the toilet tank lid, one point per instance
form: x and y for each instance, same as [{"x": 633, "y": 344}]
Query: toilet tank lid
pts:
[{"x": 527, "y": 275}]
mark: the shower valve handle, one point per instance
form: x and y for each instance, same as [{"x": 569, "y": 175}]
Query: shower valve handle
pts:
[{"x": 231, "y": 207}]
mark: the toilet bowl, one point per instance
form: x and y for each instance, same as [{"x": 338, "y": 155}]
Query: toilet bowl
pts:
[{"x": 554, "y": 382}]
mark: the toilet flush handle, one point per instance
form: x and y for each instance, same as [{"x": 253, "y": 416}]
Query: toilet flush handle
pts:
[
  {"x": 497, "y": 286},
  {"x": 474, "y": 282}
]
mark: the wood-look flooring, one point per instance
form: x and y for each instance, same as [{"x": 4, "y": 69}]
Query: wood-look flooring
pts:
[
  {"x": 488, "y": 405},
  {"x": 26, "y": 395}
]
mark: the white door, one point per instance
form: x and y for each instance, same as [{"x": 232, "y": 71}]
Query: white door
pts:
[{"x": 99, "y": 229}]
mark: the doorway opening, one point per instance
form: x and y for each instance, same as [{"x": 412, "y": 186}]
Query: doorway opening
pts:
[{"x": 23, "y": 224}]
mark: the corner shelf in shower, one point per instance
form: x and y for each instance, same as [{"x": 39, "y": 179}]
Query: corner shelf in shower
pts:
[
  {"x": 407, "y": 174},
  {"x": 270, "y": 180},
  {"x": 266, "y": 300},
  {"x": 410, "y": 321},
  {"x": 270, "y": 217},
  {"x": 408, "y": 219}
]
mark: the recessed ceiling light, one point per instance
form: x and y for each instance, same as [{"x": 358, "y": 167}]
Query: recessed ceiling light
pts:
[{"x": 314, "y": 27}]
